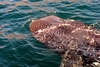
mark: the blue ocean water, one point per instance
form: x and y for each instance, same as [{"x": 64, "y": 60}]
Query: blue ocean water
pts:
[{"x": 17, "y": 46}]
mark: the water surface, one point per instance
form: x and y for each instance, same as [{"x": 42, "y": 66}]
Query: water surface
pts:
[{"x": 17, "y": 46}]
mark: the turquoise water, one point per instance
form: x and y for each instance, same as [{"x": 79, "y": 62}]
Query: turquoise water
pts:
[{"x": 17, "y": 46}]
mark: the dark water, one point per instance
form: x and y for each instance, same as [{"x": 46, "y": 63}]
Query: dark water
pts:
[{"x": 17, "y": 46}]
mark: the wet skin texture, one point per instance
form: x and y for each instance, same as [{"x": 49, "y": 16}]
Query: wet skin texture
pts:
[{"x": 77, "y": 43}]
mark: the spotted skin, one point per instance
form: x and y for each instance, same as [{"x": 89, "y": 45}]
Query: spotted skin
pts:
[
  {"x": 44, "y": 23},
  {"x": 77, "y": 43}
]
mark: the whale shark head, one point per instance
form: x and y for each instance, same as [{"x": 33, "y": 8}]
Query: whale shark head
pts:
[
  {"x": 66, "y": 36},
  {"x": 44, "y": 23}
]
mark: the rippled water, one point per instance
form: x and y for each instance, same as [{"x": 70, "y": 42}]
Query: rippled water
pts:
[{"x": 17, "y": 46}]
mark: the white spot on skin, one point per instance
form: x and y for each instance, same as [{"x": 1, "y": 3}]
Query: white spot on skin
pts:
[
  {"x": 99, "y": 57},
  {"x": 65, "y": 24},
  {"x": 92, "y": 41},
  {"x": 76, "y": 30},
  {"x": 33, "y": 20},
  {"x": 69, "y": 20},
  {"x": 72, "y": 31},
  {"x": 39, "y": 31},
  {"x": 72, "y": 20},
  {"x": 51, "y": 27},
  {"x": 79, "y": 28},
  {"x": 87, "y": 37},
  {"x": 97, "y": 64}
]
